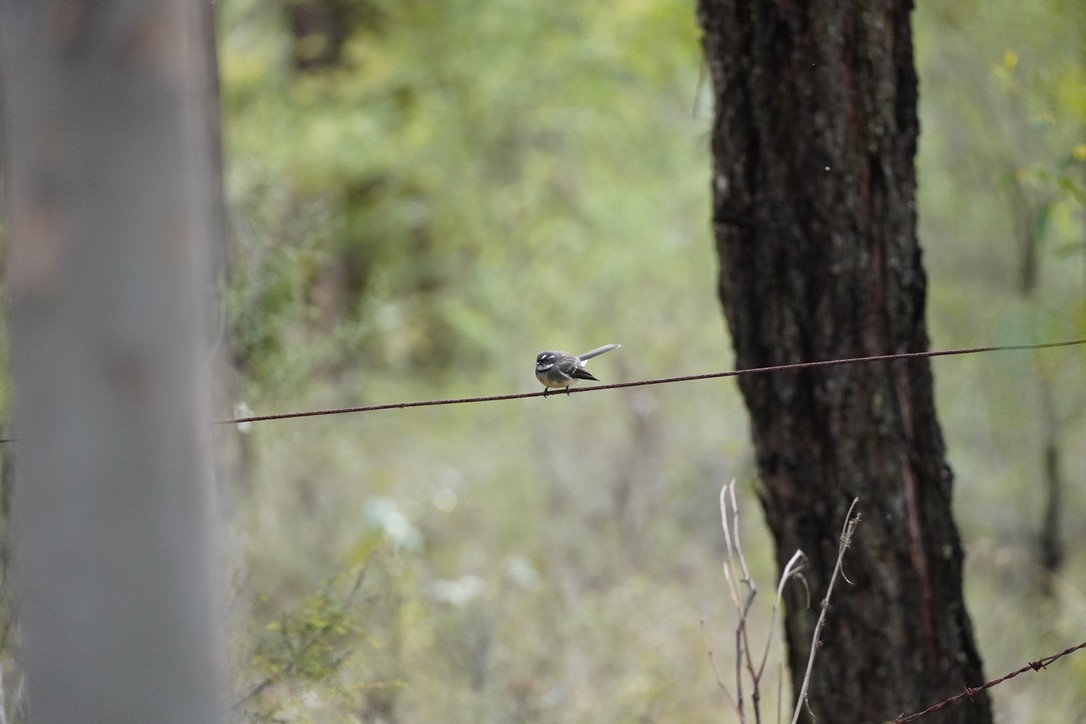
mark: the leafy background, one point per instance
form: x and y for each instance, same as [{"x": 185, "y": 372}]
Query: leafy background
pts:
[{"x": 422, "y": 195}]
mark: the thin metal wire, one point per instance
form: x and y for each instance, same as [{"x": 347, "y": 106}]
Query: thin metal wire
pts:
[{"x": 656, "y": 381}]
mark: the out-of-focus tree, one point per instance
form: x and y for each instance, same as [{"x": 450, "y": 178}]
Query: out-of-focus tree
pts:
[
  {"x": 112, "y": 215},
  {"x": 1045, "y": 153},
  {"x": 814, "y": 215},
  {"x": 1020, "y": 140}
]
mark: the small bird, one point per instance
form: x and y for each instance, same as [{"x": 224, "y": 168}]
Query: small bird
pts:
[{"x": 561, "y": 369}]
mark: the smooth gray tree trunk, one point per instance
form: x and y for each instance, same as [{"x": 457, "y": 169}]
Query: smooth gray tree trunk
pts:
[{"x": 110, "y": 214}]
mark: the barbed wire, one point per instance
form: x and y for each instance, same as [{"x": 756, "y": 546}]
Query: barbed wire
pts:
[
  {"x": 645, "y": 383},
  {"x": 970, "y": 691}
]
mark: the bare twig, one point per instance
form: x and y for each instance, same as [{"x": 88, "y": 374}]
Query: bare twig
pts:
[
  {"x": 729, "y": 521},
  {"x": 791, "y": 570},
  {"x": 729, "y": 509},
  {"x": 737, "y": 572},
  {"x": 846, "y": 540},
  {"x": 716, "y": 670}
]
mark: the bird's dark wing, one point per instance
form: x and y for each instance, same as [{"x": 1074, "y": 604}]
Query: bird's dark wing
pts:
[{"x": 582, "y": 374}]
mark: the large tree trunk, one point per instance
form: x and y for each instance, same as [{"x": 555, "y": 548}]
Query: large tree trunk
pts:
[
  {"x": 813, "y": 212},
  {"x": 111, "y": 211}
]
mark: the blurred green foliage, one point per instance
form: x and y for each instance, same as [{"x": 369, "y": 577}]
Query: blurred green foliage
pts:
[
  {"x": 424, "y": 194},
  {"x": 398, "y": 199}
]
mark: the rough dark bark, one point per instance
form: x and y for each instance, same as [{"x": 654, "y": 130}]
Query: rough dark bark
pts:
[{"x": 813, "y": 211}]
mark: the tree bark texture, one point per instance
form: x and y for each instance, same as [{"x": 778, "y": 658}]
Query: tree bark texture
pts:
[
  {"x": 814, "y": 139},
  {"x": 111, "y": 215}
]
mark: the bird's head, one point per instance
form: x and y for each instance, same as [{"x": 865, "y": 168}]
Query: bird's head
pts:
[{"x": 544, "y": 361}]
